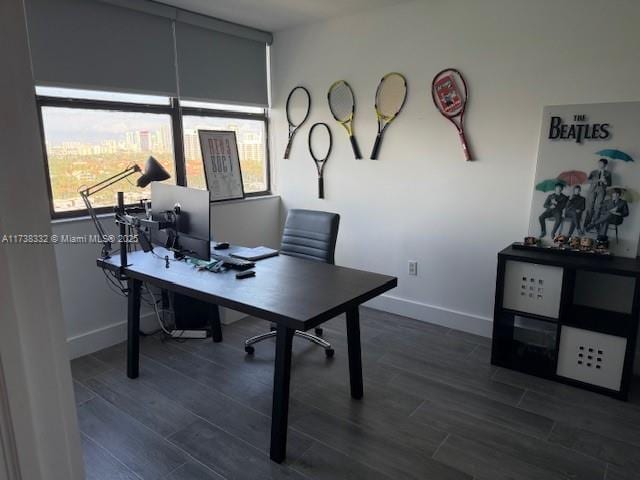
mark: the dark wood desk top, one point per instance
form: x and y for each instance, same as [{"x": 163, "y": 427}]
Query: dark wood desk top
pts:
[
  {"x": 298, "y": 293},
  {"x": 615, "y": 265}
]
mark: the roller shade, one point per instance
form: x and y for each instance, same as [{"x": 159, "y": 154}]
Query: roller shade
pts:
[
  {"x": 220, "y": 67},
  {"x": 89, "y": 44}
]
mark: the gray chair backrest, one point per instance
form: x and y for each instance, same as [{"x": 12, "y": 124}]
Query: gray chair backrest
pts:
[{"x": 310, "y": 234}]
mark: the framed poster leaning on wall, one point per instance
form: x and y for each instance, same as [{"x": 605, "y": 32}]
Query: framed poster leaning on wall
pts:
[{"x": 221, "y": 164}]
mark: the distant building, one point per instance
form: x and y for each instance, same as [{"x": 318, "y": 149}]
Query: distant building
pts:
[
  {"x": 145, "y": 141},
  {"x": 191, "y": 145}
]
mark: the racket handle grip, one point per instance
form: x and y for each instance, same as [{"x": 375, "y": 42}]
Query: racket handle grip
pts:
[
  {"x": 288, "y": 149},
  {"x": 376, "y": 147},
  {"x": 356, "y": 149},
  {"x": 465, "y": 148},
  {"x": 320, "y": 187}
]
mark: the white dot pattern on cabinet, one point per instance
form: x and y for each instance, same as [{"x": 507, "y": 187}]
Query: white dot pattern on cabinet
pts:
[{"x": 533, "y": 288}]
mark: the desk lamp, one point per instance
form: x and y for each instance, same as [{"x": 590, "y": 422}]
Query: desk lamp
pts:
[{"x": 153, "y": 172}]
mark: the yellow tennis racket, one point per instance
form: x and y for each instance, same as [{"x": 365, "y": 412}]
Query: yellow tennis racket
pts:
[
  {"x": 342, "y": 104},
  {"x": 390, "y": 98}
]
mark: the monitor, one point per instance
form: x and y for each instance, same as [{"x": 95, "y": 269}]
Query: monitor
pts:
[{"x": 189, "y": 207}]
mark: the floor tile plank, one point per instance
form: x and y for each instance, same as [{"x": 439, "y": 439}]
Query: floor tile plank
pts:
[
  {"x": 606, "y": 422},
  {"x": 321, "y": 462},
  {"x": 485, "y": 462},
  {"x": 194, "y": 471},
  {"x": 528, "y": 449},
  {"x": 228, "y": 456},
  {"x": 101, "y": 465},
  {"x": 375, "y": 447},
  {"x": 141, "y": 450},
  {"x": 82, "y": 394},
  {"x": 159, "y": 413}
]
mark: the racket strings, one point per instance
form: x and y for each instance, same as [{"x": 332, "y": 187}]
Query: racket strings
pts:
[
  {"x": 391, "y": 96},
  {"x": 298, "y": 107},
  {"x": 320, "y": 143},
  {"x": 341, "y": 102}
]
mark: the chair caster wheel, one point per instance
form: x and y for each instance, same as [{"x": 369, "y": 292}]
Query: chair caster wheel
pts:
[
  {"x": 329, "y": 352},
  {"x": 249, "y": 349},
  {"x": 318, "y": 332},
  {"x": 272, "y": 328}
]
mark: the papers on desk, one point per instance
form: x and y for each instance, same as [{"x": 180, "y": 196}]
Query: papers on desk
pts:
[{"x": 254, "y": 254}]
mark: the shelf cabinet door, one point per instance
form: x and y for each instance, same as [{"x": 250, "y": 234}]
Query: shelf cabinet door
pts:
[
  {"x": 533, "y": 288},
  {"x": 591, "y": 357}
]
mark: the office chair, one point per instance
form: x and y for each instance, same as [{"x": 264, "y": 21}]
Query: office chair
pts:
[{"x": 311, "y": 235}]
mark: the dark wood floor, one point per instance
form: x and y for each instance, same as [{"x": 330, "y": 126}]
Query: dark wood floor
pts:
[{"x": 433, "y": 409}]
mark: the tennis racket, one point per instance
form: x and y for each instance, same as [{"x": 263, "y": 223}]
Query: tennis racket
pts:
[
  {"x": 390, "y": 97},
  {"x": 298, "y": 107},
  {"x": 320, "y": 148},
  {"x": 450, "y": 96},
  {"x": 342, "y": 104}
]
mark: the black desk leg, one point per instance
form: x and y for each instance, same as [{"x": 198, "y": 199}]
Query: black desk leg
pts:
[
  {"x": 280, "y": 407},
  {"x": 355, "y": 357},
  {"x": 133, "y": 327},
  {"x": 216, "y": 326}
]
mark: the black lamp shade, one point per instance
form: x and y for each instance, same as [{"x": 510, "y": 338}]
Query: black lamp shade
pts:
[{"x": 153, "y": 172}]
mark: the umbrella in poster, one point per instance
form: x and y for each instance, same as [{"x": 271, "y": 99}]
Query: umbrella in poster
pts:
[
  {"x": 573, "y": 177},
  {"x": 614, "y": 154},
  {"x": 549, "y": 185}
]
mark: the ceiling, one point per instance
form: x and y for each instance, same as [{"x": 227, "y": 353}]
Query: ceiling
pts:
[{"x": 274, "y": 15}]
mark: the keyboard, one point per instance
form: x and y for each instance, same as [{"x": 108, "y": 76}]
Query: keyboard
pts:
[{"x": 234, "y": 263}]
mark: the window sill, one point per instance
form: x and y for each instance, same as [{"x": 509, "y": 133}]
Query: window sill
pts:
[
  {"x": 83, "y": 218},
  {"x": 246, "y": 199}
]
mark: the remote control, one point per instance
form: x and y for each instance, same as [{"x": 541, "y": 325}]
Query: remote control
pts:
[{"x": 245, "y": 274}]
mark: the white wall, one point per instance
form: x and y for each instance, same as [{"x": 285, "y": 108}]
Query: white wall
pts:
[
  {"x": 95, "y": 316},
  {"x": 421, "y": 201}
]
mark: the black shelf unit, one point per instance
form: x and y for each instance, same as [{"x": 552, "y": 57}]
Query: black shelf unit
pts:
[{"x": 509, "y": 351}]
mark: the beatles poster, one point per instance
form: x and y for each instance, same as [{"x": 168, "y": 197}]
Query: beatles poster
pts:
[
  {"x": 221, "y": 164},
  {"x": 588, "y": 176}
]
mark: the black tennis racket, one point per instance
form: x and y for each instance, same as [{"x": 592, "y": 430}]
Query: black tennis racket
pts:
[
  {"x": 320, "y": 148},
  {"x": 390, "y": 98},
  {"x": 342, "y": 104},
  {"x": 298, "y": 108}
]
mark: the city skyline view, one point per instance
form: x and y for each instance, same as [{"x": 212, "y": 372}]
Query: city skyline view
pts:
[{"x": 86, "y": 146}]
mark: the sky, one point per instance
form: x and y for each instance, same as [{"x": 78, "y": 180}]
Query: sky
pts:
[{"x": 89, "y": 126}]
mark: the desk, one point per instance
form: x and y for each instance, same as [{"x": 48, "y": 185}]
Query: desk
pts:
[{"x": 295, "y": 294}]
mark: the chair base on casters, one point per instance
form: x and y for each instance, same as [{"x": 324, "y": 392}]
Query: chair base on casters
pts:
[{"x": 328, "y": 351}]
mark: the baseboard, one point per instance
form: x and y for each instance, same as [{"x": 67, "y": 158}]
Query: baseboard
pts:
[
  {"x": 104, "y": 337},
  {"x": 446, "y": 317}
]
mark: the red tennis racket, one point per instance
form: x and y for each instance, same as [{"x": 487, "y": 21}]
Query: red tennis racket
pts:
[{"x": 450, "y": 96}]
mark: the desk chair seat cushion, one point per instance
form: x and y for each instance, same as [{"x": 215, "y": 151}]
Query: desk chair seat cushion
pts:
[{"x": 310, "y": 234}]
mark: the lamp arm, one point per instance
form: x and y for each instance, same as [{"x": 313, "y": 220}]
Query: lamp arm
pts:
[
  {"x": 106, "y": 244},
  {"x": 98, "y": 187}
]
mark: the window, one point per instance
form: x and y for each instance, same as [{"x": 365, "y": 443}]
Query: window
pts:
[
  {"x": 91, "y": 135},
  {"x": 85, "y": 146},
  {"x": 251, "y": 138}
]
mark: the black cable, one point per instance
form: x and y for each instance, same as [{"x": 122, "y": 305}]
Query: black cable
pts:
[{"x": 111, "y": 283}]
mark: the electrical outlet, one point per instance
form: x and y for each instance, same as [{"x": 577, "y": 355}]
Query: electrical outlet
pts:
[{"x": 413, "y": 268}]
